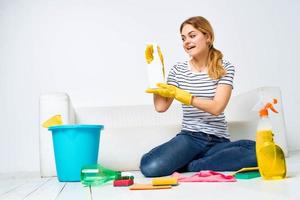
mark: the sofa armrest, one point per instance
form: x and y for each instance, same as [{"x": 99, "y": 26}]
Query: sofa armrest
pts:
[
  {"x": 51, "y": 104},
  {"x": 243, "y": 121}
]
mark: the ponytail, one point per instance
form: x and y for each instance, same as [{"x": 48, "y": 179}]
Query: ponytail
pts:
[{"x": 215, "y": 66}]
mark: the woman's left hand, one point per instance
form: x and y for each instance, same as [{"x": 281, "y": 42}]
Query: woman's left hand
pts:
[{"x": 171, "y": 91}]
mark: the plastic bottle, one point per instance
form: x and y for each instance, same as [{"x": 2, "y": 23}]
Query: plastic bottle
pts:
[
  {"x": 270, "y": 157},
  {"x": 93, "y": 175},
  {"x": 155, "y": 65}
]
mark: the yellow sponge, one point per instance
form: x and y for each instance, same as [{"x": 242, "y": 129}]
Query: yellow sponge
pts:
[
  {"x": 164, "y": 181},
  {"x": 55, "y": 120}
]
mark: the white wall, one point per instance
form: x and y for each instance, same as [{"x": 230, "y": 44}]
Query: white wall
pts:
[{"x": 94, "y": 50}]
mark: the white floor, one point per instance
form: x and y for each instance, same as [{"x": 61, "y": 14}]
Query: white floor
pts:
[{"x": 30, "y": 186}]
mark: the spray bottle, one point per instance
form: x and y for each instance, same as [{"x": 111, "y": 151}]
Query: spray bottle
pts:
[{"x": 270, "y": 157}]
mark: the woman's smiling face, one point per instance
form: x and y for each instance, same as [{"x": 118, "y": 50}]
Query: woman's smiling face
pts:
[{"x": 194, "y": 41}]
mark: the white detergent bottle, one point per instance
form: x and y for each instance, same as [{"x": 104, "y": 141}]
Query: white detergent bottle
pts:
[{"x": 155, "y": 65}]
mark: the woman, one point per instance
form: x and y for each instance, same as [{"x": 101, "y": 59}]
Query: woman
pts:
[{"x": 203, "y": 85}]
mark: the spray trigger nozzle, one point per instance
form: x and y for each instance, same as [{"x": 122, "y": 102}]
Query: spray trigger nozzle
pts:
[{"x": 264, "y": 110}]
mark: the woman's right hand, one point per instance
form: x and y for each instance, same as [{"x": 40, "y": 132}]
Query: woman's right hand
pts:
[{"x": 164, "y": 92}]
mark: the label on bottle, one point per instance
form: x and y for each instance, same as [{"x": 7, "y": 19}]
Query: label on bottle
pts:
[{"x": 88, "y": 171}]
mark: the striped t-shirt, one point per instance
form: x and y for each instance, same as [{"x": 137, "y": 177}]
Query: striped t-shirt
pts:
[{"x": 200, "y": 85}]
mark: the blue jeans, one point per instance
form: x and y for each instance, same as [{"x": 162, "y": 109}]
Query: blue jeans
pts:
[{"x": 196, "y": 151}]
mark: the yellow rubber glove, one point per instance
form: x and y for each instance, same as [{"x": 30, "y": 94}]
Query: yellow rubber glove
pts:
[
  {"x": 171, "y": 91},
  {"x": 162, "y": 92}
]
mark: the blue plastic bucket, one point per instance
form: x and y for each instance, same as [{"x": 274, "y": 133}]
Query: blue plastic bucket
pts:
[{"x": 74, "y": 146}]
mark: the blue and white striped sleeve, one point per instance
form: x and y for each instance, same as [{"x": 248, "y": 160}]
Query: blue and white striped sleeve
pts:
[
  {"x": 229, "y": 76},
  {"x": 172, "y": 80}
]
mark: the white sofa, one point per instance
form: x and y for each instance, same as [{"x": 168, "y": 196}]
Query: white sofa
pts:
[{"x": 131, "y": 131}]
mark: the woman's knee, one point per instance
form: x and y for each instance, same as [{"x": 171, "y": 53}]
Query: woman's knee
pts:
[
  {"x": 150, "y": 167},
  {"x": 250, "y": 152},
  {"x": 248, "y": 144}
]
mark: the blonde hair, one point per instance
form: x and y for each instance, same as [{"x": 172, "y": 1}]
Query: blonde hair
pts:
[{"x": 215, "y": 67}]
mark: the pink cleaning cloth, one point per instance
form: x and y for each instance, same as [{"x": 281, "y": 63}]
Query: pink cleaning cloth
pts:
[{"x": 205, "y": 176}]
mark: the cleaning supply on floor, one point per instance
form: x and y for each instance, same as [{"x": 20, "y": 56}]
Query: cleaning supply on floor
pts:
[
  {"x": 247, "y": 173},
  {"x": 155, "y": 65},
  {"x": 270, "y": 157},
  {"x": 94, "y": 175},
  {"x": 205, "y": 176},
  {"x": 124, "y": 181},
  {"x": 149, "y": 187},
  {"x": 165, "y": 181},
  {"x": 74, "y": 146},
  {"x": 53, "y": 121}
]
